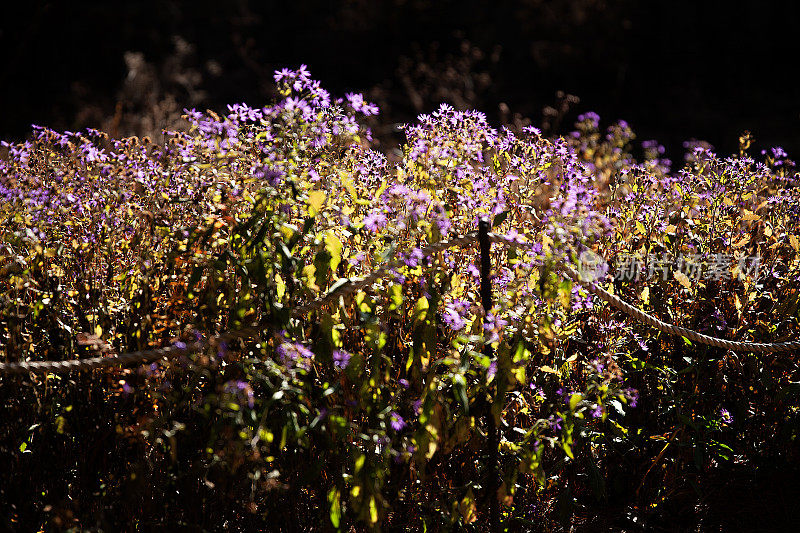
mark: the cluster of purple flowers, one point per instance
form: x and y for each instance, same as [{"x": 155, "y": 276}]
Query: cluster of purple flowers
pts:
[
  {"x": 241, "y": 390},
  {"x": 493, "y": 325},
  {"x": 306, "y": 155},
  {"x": 294, "y": 354},
  {"x": 456, "y": 314}
]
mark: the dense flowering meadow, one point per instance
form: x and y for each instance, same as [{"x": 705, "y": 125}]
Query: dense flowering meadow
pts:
[{"x": 372, "y": 412}]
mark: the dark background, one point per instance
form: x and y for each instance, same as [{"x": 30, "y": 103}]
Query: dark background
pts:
[{"x": 674, "y": 70}]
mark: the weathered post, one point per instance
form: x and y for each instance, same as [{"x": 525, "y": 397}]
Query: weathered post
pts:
[{"x": 484, "y": 225}]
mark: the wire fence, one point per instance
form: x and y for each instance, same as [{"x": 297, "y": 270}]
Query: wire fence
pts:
[{"x": 352, "y": 286}]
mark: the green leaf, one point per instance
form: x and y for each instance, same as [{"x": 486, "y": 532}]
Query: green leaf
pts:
[
  {"x": 460, "y": 390},
  {"x": 567, "y": 449},
  {"x": 335, "y": 507},
  {"x": 373, "y": 510},
  {"x": 359, "y": 464},
  {"x": 565, "y": 293},
  {"x": 499, "y": 218},
  {"x": 395, "y": 296},
  {"x": 575, "y": 400}
]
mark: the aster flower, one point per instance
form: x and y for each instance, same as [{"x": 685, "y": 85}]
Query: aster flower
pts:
[
  {"x": 295, "y": 353},
  {"x": 396, "y": 421},
  {"x": 242, "y": 390},
  {"x": 341, "y": 359},
  {"x": 375, "y": 220},
  {"x": 413, "y": 258},
  {"x": 493, "y": 325},
  {"x": 632, "y": 395},
  {"x": 358, "y": 104},
  {"x": 455, "y": 314},
  {"x": 282, "y": 74}
]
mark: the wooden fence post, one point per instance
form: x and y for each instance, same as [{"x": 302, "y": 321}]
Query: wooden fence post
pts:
[{"x": 484, "y": 225}]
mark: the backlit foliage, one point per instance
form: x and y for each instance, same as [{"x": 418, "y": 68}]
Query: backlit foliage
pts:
[{"x": 372, "y": 411}]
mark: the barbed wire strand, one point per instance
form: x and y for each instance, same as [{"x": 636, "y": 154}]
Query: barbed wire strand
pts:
[
  {"x": 148, "y": 356},
  {"x": 652, "y": 321},
  {"x": 355, "y": 285}
]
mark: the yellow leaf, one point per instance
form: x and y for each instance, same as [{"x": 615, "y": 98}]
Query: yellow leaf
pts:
[
  {"x": 395, "y": 296},
  {"x": 334, "y": 246},
  {"x": 373, "y": 510},
  {"x": 315, "y": 201},
  {"x": 646, "y": 296},
  {"x": 359, "y": 464},
  {"x": 467, "y": 508},
  {"x": 564, "y": 293},
  {"x": 794, "y": 242},
  {"x": 742, "y": 242},
  {"x": 548, "y": 369},
  {"x": 749, "y": 217},
  {"x": 683, "y": 279},
  {"x": 287, "y": 232},
  {"x": 335, "y": 507},
  {"x": 574, "y": 400},
  {"x": 309, "y": 272},
  {"x": 421, "y": 309},
  {"x": 281, "y": 286}
]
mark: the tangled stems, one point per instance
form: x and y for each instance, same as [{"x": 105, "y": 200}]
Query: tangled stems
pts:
[{"x": 117, "y": 245}]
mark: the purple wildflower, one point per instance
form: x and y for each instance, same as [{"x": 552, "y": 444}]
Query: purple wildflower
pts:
[
  {"x": 493, "y": 324},
  {"x": 242, "y": 390},
  {"x": 455, "y": 314},
  {"x": 358, "y": 104},
  {"x": 633, "y": 396},
  {"x": 293, "y": 352},
  {"x": 417, "y": 405},
  {"x": 341, "y": 359},
  {"x": 397, "y": 421},
  {"x": 375, "y": 220},
  {"x": 414, "y": 258}
]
